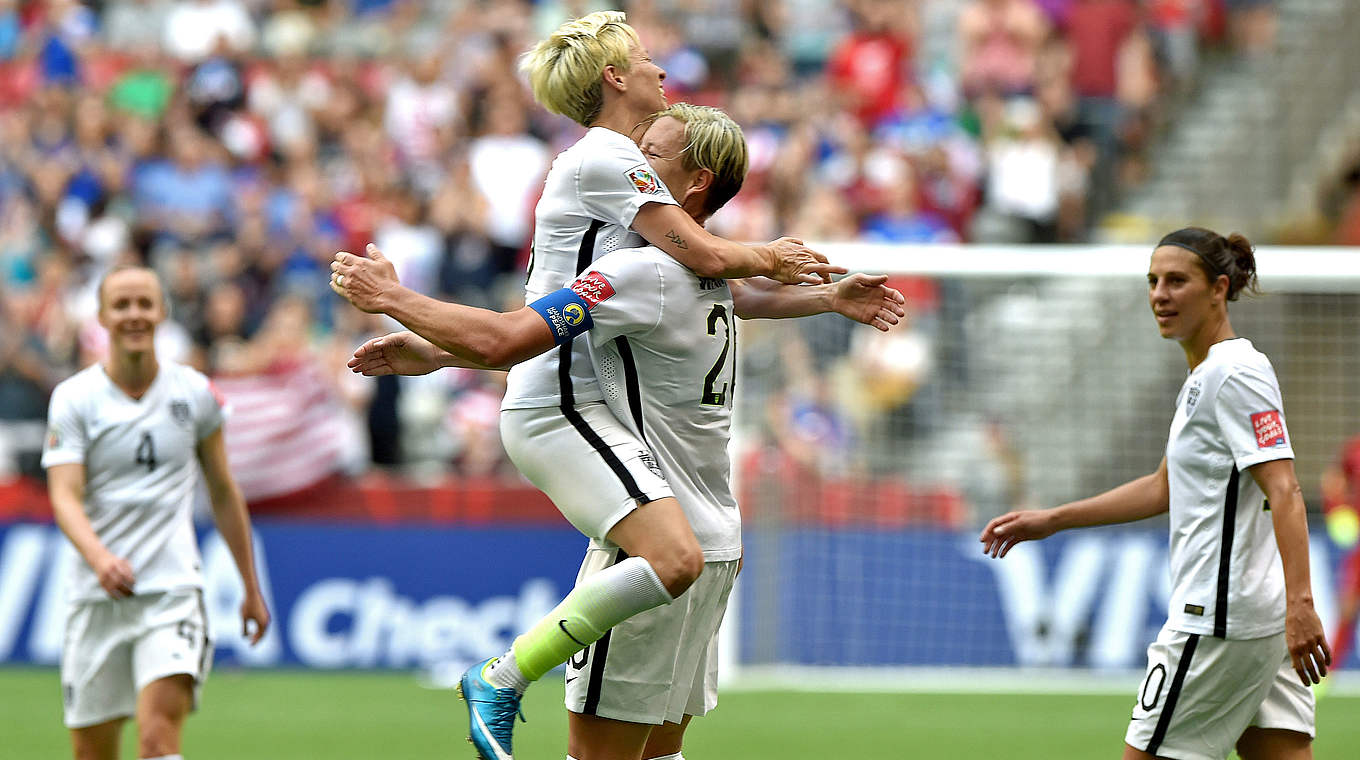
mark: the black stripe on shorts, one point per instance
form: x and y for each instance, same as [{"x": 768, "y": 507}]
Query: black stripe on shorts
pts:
[
  {"x": 1173, "y": 694},
  {"x": 568, "y": 409},
  {"x": 597, "y": 658}
]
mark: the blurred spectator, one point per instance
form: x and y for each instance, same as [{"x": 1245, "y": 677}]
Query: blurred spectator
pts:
[
  {"x": 196, "y": 29},
  {"x": 870, "y": 66},
  {"x": 1000, "y": 41}
]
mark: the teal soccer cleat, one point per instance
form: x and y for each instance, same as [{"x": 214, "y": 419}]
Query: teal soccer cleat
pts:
[{"x": 491, "y": 713}]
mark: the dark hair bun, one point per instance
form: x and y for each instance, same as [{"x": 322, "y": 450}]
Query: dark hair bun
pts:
[{"x": 1243, "y": 272}]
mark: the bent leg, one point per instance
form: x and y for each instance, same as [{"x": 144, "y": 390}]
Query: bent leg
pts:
[
  {"x": 162, "y": 707},
  {"x": 590, "y": 737},
  {"x": 1274, "y": 744},
  {"x": 659, "y": 532},
  {"x": 97, "y": 742}
]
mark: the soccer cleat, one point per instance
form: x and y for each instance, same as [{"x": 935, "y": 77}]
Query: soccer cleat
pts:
[{"x": 491, "y": 713}]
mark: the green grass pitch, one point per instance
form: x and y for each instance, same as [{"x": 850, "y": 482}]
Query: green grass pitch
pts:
[{"x": 287, "y": 715}]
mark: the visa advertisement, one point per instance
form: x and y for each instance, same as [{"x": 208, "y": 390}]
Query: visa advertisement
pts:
[{"x": 441, "y": 596}]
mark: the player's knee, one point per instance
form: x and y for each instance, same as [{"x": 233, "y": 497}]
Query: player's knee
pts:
[{"x": 683, "y": 567}]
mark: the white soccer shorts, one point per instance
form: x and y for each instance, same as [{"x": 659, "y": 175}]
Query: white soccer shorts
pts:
[
  {"x": 1200, "y": 693},
  {"x": 657, "y": 666},
  {"x": 589, "y": 464},
  {"x": 115, "y": 647}
]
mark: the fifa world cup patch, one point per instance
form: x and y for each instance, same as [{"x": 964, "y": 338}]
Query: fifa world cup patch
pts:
[
  {"x": 1269, "y": 427},
  {"x": 593, "y": 288},
  {"x": 643, "y": 179},
  {"x": 53, "y": 438}
]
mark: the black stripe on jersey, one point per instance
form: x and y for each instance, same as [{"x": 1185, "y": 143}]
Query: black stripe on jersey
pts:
[
  {"x": 568, "y": 408},
  {"x": 597, "y": 658},
  {"x": 630, "y": 382},
  {"x": 1225, "y": 556},
  {"x": 586, "y": 253},
  {"x": 1173, "y": 694}
]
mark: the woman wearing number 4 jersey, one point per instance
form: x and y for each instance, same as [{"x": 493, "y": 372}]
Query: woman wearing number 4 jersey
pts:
[
  {"x": 663, "y": 347},
  {"x": 1232, "y": 665},
  {"x": 125, "y": 443}
]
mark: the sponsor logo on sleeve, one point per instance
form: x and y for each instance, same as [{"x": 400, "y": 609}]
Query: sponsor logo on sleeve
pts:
[
  {"x": 593, "y": 288},
  {"x": 1269, "y": 427},
  {"x": 644, "y": 181},
  {"x": 53, "y": 438}
]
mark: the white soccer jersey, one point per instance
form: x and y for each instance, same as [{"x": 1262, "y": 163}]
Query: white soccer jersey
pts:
[
  {"x": 591, "y": 194},
  {"x": 664, "y": 348},
  {"x": 1226, "y": 576},
  {"x": 140, "y": 470}
]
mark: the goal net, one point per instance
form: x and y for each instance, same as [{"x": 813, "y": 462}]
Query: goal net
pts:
[{"x": 1025, "y": 376}]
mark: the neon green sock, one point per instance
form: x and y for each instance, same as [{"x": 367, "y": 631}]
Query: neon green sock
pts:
[{"x": 597, "y": 604}]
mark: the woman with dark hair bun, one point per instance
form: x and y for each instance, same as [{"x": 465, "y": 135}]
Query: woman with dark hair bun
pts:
[{"x": 1232, "y": 666}]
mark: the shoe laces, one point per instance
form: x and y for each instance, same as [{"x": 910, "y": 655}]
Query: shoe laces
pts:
[{"x": 504, "y": 708}]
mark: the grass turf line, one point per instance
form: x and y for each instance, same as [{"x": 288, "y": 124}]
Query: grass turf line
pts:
[{"x": 289, "y": 715}]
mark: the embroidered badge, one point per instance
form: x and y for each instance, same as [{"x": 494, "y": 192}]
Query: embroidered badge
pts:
[{"x": 643, "y": 179}]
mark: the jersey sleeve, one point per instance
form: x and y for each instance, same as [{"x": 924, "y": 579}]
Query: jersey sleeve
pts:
[
  {"x": 1250, "y": 416},
  {"x": 614, "y": 185},
  {"x": 66, "y": 439},
  {"x": 210, "y": 408},
  {"x": 623, "y": 290}
]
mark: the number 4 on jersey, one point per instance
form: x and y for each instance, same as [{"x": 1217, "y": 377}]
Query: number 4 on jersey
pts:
[
  {"x": 146, "y": 452},
  {"x": 713, "y": 397}
]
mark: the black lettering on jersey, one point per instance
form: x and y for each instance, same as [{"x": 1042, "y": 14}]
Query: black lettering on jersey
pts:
[
  {"x": 711, "y": 283},
  {"x": 146, "y": 452}
]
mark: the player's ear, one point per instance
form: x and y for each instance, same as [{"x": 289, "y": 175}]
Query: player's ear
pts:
[
  {"x": 702, "y": 181},
  {"x": 612, "y": 77}
]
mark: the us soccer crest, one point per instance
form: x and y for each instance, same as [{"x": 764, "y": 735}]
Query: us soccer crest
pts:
[
  {"x": 643, "y": 179},
  {"x": 1192, "y": 396},
  {"x": 179, "y": 410}
]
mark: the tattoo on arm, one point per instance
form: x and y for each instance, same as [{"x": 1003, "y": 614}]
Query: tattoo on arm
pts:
[{"x": 674, "y": 237}]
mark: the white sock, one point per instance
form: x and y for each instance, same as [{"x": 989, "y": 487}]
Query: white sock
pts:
[
  {"x": 676, "y": 756},
  {"x": 503, "y": 673},
  {"x": 165, "y": 757}
]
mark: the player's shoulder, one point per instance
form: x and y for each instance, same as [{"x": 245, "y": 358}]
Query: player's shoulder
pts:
[
  {"x": 81, "y": 384},
  {"x": 1239, "y": 361}
]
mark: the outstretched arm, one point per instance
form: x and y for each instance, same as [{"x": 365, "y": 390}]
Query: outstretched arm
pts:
[
  {"x": 404, "y": 353},
  {"x": 860, "y": 297},
  {"x": 482, "y": 337},
  {"x": 1135, "y": 500},
  {"x": 674, "y": 231},
  {"x": 233, "y": 522},
  {"x": 1303, "y": 630}
]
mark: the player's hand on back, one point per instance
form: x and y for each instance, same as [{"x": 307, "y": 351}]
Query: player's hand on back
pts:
[
  {"x": 1307, "y": 642},
  {"x": 399, "y": 353},
  {"x": 115, "y": 575},
  {"x": 796, "y": 264},
  {"x": 867, "y": 299},
  {"x": 363, "y": 281},
  {"x": 1004, "y": 532},
  {"x": 254, "y": 617}
]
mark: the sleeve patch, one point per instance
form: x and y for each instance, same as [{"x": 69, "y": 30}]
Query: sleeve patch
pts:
[
  {"x": 1269, "y": 427},
  {"x": 593, "y": 288},
  {"x": 643, "y": 179}
]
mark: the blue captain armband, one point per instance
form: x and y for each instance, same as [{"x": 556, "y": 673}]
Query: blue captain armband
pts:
[{"x": 566, "y": 313}]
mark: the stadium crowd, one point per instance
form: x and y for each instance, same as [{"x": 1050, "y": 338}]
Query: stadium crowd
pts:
[{"x": 234, "y": 145}]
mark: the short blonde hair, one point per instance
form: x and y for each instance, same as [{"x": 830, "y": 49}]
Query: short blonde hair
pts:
[
  {"x": 715, "y": 142},
  {"x": 564, "y": 70}
]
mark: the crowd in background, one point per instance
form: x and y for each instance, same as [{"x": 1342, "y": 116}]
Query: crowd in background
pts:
[{"x": 235, "y": 145}]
